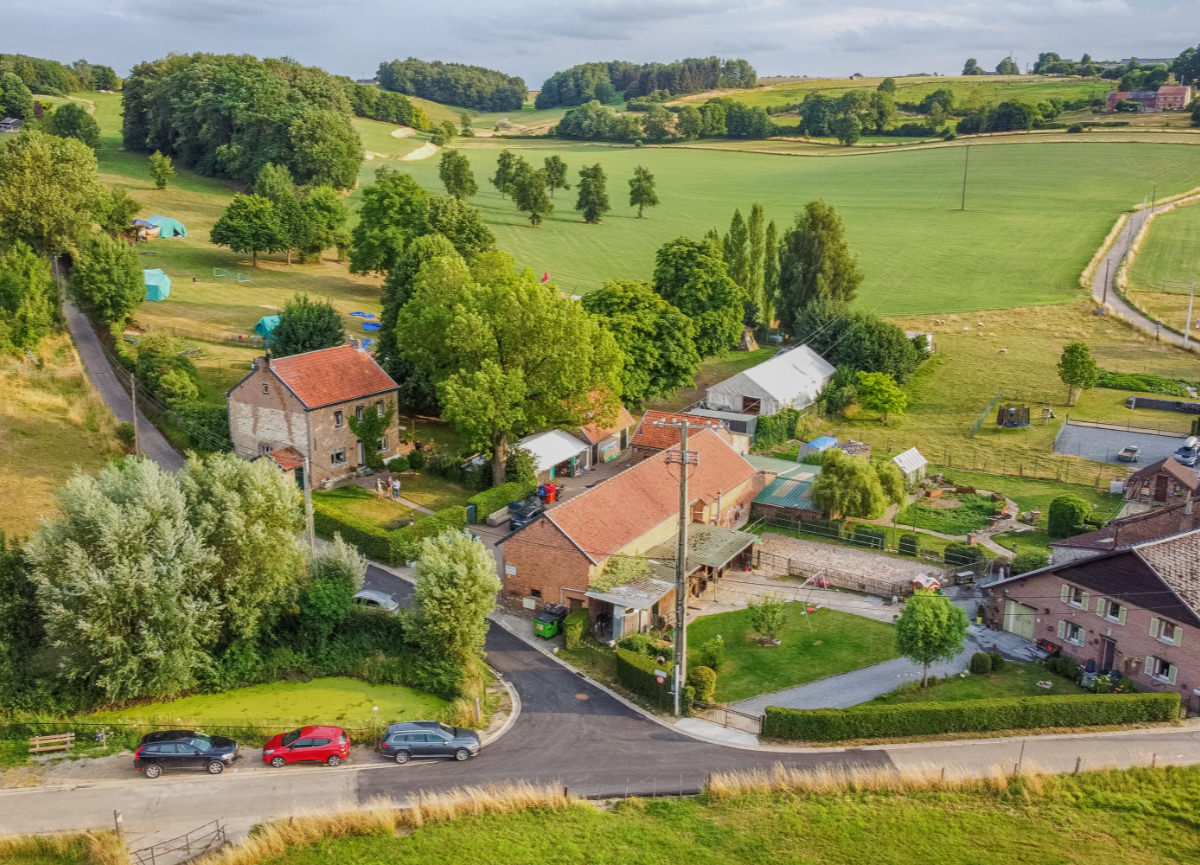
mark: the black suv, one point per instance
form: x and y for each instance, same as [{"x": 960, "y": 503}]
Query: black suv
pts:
[
  {"x": 524, "y": 512},
  {"x": 408, "y": 739},
  {"x": 184, "y": 749}
]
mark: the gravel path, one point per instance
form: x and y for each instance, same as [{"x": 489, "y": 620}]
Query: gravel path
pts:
[{"x": 862, "y": 562}]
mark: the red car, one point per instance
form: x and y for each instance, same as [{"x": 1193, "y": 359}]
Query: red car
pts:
[{"x": 328, "y": 745}]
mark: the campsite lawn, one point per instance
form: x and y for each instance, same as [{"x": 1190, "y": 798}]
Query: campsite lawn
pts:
[
  {"x": 1015, "y": 680},
  {"x": 836, "y": 643},
  {"x": 1035, "y": 212}
]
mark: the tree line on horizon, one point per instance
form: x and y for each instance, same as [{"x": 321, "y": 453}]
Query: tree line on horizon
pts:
[{"x": 620, "y": 80}]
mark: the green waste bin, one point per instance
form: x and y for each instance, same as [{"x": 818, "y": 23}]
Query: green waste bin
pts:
[{"x": 547, "y": 622}]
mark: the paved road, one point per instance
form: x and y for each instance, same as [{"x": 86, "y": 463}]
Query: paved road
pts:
[
  {"x": 1107, "y": 271},
  {"x": 104, "y": 379}
]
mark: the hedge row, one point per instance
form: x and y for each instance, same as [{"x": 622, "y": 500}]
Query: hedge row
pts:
[
  {"x": 490, "y": 501},
  {"x": 636, "y": 672},
  {"x": 967, "y": 716},
  {"x": 390, "y": 546}
]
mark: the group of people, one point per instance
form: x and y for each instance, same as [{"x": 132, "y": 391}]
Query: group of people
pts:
[{"x": 389, "y": 488}]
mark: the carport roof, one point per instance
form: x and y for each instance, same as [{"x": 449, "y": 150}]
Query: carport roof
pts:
[
  {"x": 641, "y": 594},
  {"x": 708, "y": 546}
]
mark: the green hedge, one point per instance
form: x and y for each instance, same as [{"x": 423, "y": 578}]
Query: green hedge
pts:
[
  {"x": 967, "y": 716},
  {"x": 405, "y": 543},
  {"x": 490, "y": 501},
  {"x": 574, "y": 627},
  {"x": 390, "y": 546},
  {"x": 636, "y": 672}
]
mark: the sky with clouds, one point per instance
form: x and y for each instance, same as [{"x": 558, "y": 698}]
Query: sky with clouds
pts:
[{"x": 533, "y": 38}]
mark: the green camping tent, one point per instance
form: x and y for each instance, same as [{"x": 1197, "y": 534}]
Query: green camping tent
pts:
[
  {"x": 158, "y": 284},
  {"x": 168, "y": 227},
  {"x": 266, "y": 326}
]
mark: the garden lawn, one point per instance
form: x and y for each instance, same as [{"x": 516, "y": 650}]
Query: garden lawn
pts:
[
  {"x": 363, "y": 505},
  {"x": 1015, "y": 680},
  {"x": 1031, "y": 494},
  {"x": 337, "y": 700},
  {"x": 1140, "y": 817},
  {"x": 972, "y": 512},
  {"x": 431, "y": 491},
  {"x": 1036, "y": 212},
  {"x": 1165, "y": 267},
  {"x": 837, "y": 643}
]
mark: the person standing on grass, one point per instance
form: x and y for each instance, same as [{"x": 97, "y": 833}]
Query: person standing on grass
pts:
[
  {"x": 379, "y": 486},
  {"x": 396, "y": 488}
]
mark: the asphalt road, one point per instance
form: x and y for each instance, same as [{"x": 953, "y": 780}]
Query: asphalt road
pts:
[{"x": 1103, "y": 445}]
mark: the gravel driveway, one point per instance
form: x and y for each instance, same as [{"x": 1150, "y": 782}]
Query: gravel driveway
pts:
[{"x": 864, "y": 563}]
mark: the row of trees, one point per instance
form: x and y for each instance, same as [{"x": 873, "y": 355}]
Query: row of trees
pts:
[
  {"x": 57, "y": 79},
  {"x": 230, "y": 115},
  {"x": 717, "y": 118},
  {"x": 454, "y": 84},
  {"x": 384, "y": 105},
  {"x": 606, "y": 82}
]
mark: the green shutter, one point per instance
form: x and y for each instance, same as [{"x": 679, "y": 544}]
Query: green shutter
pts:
[
  {"x": 1154, "y": 627},
  {"x": 1065, "y": 593},
  {"x": 1062, "y": 629},
  {"x": 1178, "y": 635},
  {"x": 1083, "y": 600},
  {"x": 1172, "y": 672},
  {"x": 1100, "y": 602},
  {"x": 1121, "y": 614}
]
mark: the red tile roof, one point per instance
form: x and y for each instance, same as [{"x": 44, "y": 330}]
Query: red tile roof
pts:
[
  {"x": 287, "y": 458},
  {"x": 592, "y": 433},
  {"x": 611, "y": 515},
  {"x": 332, "y": 375},
  {"x": 647, "y": 435}
]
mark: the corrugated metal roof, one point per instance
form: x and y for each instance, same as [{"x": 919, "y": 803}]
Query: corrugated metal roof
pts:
[
  {"x": 708, "y": 546},
  {"x": 783, "y": 468},
  {"x": 641, "y": 594},
  {"x": 552, "y": 447},
  {"x": 795, "y": 375},
  {"x": 788, "y": 493},
  {"x": 910, "y": 461}
]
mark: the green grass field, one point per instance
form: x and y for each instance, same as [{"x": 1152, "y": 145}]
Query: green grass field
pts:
[
  {"x": 901, "y": 209},
  {"x": 1165, "y": 267},
  {"x": 1015, "y": 680},
  {"x": 361, "y": 505},
  {"x": 955, "y": 515},
  {"x": 837, "y": 643},
  {"x": 1138, "y": 817},
  {"x": 341, "y": 701}
]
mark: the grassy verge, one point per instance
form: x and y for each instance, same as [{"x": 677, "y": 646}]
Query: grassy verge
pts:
[
  {"x": 354, "y": 501},
  {"x": 813, "y": 646},
  {"x": 93, "y": 848},
  {"x": 51, "y": 422},
  {"x": 1015, "y": 680}
]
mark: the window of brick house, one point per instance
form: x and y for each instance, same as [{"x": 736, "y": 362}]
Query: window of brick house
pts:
[
  {"x": 1161, "y": 670},
  {"x": 1074, "y": 596},
  {"x": 358, "y": 412},
  {"x": 266, "y": 387},
  {"x": 382, "y": 444},
  {"x": 379, "y": 409},
  {"x": 535, "y": 593},
  {"x": 338, "y": 458},
  {"x": 338, "y": 420},
  {"x": 264, "y": 448},
  {"x": 1108, "y": 609},
  {"x": 1166, "y": 632},
  {"x": 1071, "y": 632}
]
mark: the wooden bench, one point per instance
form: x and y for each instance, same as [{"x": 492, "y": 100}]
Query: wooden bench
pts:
[{"x": 57, "y": 742}]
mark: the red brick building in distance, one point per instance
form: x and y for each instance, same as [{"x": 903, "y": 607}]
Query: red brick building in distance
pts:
[
  {"x": 1165, "y": 482},
  {"x": 556, "y": 558},
  {"x": 1173, "y": 97},
  {"x": 1135, "y": 611},
  {"x": 649, "y": 437},
  {"x": 300, "y": 406}
]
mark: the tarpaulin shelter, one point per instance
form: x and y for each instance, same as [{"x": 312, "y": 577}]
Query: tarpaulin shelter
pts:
[
  {"x": 168, "y": 227},
  {"x": 266, "y": 326},
  {"x": 158, "y": 284}
]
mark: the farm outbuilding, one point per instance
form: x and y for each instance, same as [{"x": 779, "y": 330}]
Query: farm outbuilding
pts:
[
  {"x": 158, "y": 284},
  {"x": 266, "y": 326},
  {"x": 556, "y": 453},
  {"x": 168, "y": 227},
  {"x": 791, "y": 379},
  {"x": 912, "y": 465}
]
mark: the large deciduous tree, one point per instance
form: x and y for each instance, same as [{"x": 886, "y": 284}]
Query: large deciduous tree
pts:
[
  {"x": 879, "y": 392},
  {"x": 1077, "y": 370},
  {"x": 123, "y": 581},
  {"x": 529, "y": 191},
  {"x": 502, "y": 179},
  {"x": 849, "y": 487},
  {"x": 691, "y": 276},
  {"x": 456, "y": 590},
  {"x": 455, "y": 173},
  {"x": 48, "y": 192},
  {"x": 755, "y": 264},
  {"x": 658, "y": 340},
  {"x": 250, "y": 224},
  {"x": 306, "y": 325},
  {"x": 115, "y": 211},
  {"x": 814, "y": 263},
  {"x": 71, "y": 120},
  {"x": 770, "y": 274},
  {"x": 107, "y": 278},
  {"x": 736, "y": 251},
  {"x": 325, "y": 150},
  {"x": 27, "y": 299},
  {"x": 335, "y": 574},
  {"x": 15, "y": 98},
  {"x": 592, "y": 199},
  {"x": 931, "y": 628},
  {"x": 248, "y": 514},
  {"x": 556, "y": 174},
  {"x": 641, "y": 190}
]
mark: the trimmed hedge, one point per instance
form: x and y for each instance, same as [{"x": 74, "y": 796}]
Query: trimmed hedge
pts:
[
  {"x": 405, "y": 543},
  {"x": 967, "y": 716},
  {"x": 574, "y": 627},
  {"x": 636, "y": 672},
  {"x": 490, "y": 501},
  {"x": 394, "y": 546}
]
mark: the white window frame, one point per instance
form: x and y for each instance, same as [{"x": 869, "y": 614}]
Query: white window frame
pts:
[
  {"x": 333, "y": 457},
  {"x": 380, "y": 408},
  {"x": 1069, "y": 594},
  {"x": 1104, "y": 609},
  {"x": 1175, "y": 632},
  {"x": 339, "y": 419},
  {"x": 1068, "y": 625},
  {"x": 358, "y": 412},
  {"x": 1169, "y": 676},
  {"x": 383, "y": 444}
]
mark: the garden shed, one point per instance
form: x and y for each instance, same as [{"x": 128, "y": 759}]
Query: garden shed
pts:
[
  {"x": 791, "y": 379},
  {"x": 912, "y": 465},
  {"x": 556, "y": 453},
  {"x": 168, "y": 227},
  {"x": 266, "y": 326},
  {"x": 158, "y": 284}
]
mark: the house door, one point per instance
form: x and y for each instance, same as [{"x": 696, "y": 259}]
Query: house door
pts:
[
  {"x": 1019, "y": 619},
  {"x": 1160, "y": 488},
  {"x": 1108, "y": 653}
]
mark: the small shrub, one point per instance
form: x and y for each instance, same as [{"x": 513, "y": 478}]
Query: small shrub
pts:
[
  {"x": 908, "y": 545},
  {"x": 704, "y": 680},
  {"x": 1029, "y": 560},
  {"x": 125, "y": 435},
  {"x": 637, "y": 673},
  {"x": 960, "y": 555},
  {"x": 712, "y": 652},
  {"x": 998, "y": 662},
  {"x": 1064, "y": 666},
  {"x": 1066, "y": 517},
  {"x": 574, "y": 627},
  {"x": 1125, "y": 685},
  {"x": 1075, "y": 127},
  {"x": 981, "y": 664},
  {"x": 1101, "y": 685},
  {"x": 416, "y": 460},
  {"x": 398, "y": 465}
]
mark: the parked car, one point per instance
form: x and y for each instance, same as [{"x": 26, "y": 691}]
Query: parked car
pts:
[
  {"x": 1189, "y": 453},
  {"x": 524, "y": 512},
  {"x": 328, "y": 745},
  {"x": 185, "y": 749},
  {"x": 376, "y": 600},
  {"x": 407, "y": 739},
  {"x": 1128, "y": 454}
]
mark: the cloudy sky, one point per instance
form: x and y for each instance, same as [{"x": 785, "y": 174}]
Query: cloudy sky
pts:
[{"x": 533, "y": 38}]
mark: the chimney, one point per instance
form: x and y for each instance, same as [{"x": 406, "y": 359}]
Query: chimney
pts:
[
  {"x": 264, "y": 362},
  {"x": 354, "y": 343}
]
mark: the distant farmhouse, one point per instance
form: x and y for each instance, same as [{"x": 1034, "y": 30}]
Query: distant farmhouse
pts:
[{"x": 1166, "y": 98}]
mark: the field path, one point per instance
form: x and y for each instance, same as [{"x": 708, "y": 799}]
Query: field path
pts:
[
  {"x": 425, "y": 151},
  {"x": 403, "y": 132},
  {"x": 1104, "y": 288}
]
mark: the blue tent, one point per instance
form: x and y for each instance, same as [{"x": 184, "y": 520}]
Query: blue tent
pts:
[
  {"x": 168, "y": 227},
  {"x": 158, "y": 284},
  {"x": 266, "y": 326}
]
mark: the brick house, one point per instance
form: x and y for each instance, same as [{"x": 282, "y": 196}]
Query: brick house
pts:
[
  {"x": 1126, "y": 531},
  {"x": 555, "y": 558},
  {"x": 1173, "y": 97},
  {"x": 649, "y": 438},
  {"x": 305, "y": 402},
  {"x": 1164, "y": 482},
  {"x": 1147, "y": 100},
  {"x": 606, "y": 442},
  {"x": 1132, "y": 610}
]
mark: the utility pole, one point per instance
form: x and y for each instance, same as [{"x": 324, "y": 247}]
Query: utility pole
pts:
[
  {"x": 1187, "y": 325},
  {"x": 1107, "y": 281},
  {"x": 966, "y": 162},
  {"x": 137, "y": 447},
  {"x": 1153, "y": 197},
  {"x": 683, "y": 458},
  {"x": 308, "y": 507}
]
